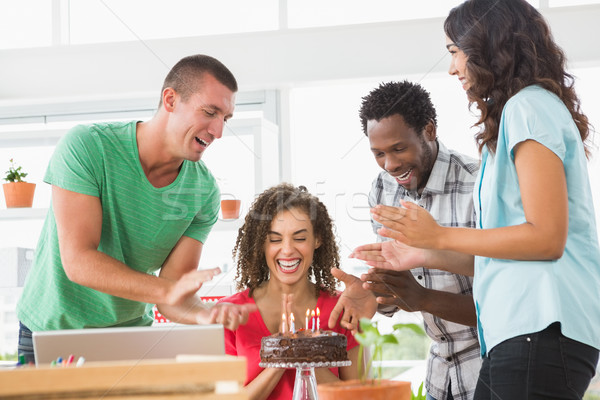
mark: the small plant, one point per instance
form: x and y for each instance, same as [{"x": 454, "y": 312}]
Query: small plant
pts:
[
  {"x": 420, "y": 395},
  {"x": 369, "y": 336},
  {"x": 14, "y": 173}
]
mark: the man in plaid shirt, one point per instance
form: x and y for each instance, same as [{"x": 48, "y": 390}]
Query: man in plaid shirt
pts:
[{"x": 400, "y": 122}]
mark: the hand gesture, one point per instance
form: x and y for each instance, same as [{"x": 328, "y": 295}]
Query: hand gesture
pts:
[
  {"x": 229, "y": 315},
  {"x": 396, "y": 288},
  {"x": 391, "y": 255},
  {"x": 186, "y": 287},
  {"x": 354, "y": 303},
  {"x": 409, "y": 224}
]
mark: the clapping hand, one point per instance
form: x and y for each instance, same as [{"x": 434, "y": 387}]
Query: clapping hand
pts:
[
  {"x": 395, "y": 288},
  {"x": 409, "y": 224},
  {"x": 391, "y": 255}
]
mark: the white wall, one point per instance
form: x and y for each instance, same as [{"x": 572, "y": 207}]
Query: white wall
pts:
[{"x": 274, "y": 59}]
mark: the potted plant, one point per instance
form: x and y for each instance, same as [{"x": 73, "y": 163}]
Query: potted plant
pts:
[
  {"x": 17, "y": 192},
  {"x": 369, "y": 388}
]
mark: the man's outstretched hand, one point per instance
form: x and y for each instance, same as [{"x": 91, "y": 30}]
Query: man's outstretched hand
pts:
[
  {"x": 354, "y": 303},
  {"x": 229, "y": 315}
]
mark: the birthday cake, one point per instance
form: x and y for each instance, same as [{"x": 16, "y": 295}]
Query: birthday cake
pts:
[{"x": 303, "y": 346}]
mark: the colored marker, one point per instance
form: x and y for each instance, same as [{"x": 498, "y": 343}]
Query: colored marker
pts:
[
  {"x": 70, "y": 359},
  {"x": 80, "y": 362}
]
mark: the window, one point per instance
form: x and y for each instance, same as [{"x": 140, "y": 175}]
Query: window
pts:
[
  {"x": 26, "y": 23},
  {"x": 569, "y": 3},
  {"x": 311, "y": 13},
  {"x": 113, "y": 20}
]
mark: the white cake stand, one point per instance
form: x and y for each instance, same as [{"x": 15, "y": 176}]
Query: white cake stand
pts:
[{"x": 305, "y": 385}]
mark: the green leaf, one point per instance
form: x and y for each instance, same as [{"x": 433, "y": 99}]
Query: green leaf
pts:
[
  {"x": 414, "y": 327},
  {"x": 388, "y": 338},
  {"x": 420, "y": 395},
  {"x": 367, "y": 325},
  {"x": 369, "y": 336},
  {"x": 369, "y": 333},
  {"x": 14, "y": 174}
]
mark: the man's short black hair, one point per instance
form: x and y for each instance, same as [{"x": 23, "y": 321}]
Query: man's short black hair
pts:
[{"x": 404, "y": 98}]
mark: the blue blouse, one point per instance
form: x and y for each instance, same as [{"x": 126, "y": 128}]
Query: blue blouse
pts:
[{"x": 519, "y": 297}]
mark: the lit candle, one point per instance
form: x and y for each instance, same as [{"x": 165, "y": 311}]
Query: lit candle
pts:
[
  {"x": 306, "y": 323},
  {"x": 283, "y": 324},
  {"x": 292, "y": 326},
  {"x": 312, "y": 316},
  {"x": 318, "y": 321}
]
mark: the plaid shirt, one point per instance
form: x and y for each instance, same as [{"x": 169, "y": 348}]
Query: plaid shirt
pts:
[{"x": 454, "y": 354}]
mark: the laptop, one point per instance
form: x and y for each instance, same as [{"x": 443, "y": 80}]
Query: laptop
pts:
[{"x": 128, "y": 343}]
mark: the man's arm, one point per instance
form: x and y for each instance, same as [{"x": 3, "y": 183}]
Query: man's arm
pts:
[
  {"x": 79, "y": 225},
  {"x": 400, "y": 289}
]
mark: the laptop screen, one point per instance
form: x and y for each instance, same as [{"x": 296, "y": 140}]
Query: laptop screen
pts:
[{"x": 128, "y": 343}]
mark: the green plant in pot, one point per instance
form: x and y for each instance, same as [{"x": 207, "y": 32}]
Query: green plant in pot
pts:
[
  {"x": 17, "y": 192},
  {"x": 369, "y": 337}
]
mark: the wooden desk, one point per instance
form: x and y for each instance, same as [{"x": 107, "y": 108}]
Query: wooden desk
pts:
[{"x": 194, "y": 377}]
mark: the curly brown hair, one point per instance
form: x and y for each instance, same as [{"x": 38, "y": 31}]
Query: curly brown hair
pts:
[
  {"x": 509, "y": 47},
  {"x": 249, "y": 249}
]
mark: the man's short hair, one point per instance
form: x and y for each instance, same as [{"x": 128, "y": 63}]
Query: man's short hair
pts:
[
  {"x": 404, "y": 98},
  {"x": 185, "y": 75}
]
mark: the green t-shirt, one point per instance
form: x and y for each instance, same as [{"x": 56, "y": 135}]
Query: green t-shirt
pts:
[{"x": 140, "y": 226}]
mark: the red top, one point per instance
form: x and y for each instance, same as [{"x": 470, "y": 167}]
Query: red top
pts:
[{"x": 245, "y": 340}]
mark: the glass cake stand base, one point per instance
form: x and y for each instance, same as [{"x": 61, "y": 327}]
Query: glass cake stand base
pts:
[{"x": 305, "y": 385}]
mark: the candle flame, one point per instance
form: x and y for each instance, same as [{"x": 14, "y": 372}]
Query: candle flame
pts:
[
  {"x": 292, "y": 317},
  {"x": 283, "y": 317},
  {"x": 312, "y": 313},
  {"x": 307, "y": 312},
  {"x": 318, "y": 312}
]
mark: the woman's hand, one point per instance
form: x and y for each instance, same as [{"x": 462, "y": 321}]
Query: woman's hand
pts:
[
  {"x": 409, "y": 224},
  {"x": 354, "y": 303},
  {"x": 393, "y": 255}
]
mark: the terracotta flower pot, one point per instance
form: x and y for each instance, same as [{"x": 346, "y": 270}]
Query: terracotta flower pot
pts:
[
  {"x": 370, "y": 390},
  {"x": 230, "y": 209},
  {"x": 18, "y": 194}
]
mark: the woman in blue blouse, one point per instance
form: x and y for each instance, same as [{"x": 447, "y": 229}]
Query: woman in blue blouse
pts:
[{"x": 535, "y": 257}]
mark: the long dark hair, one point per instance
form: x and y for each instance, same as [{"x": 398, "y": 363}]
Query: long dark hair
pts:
[{"x": 509, "y": 47}]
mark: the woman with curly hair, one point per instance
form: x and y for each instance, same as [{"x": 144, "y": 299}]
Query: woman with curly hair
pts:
[
  {"x": 285, "y": 249},
  {"x": 535, "y": 255}
]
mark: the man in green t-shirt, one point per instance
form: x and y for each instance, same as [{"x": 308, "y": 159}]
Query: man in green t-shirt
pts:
[{"x": 132, "y": 204}]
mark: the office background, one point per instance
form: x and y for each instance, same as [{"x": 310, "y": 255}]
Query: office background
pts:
[{"x": 302, "y": 67}]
